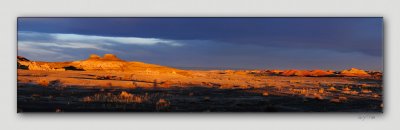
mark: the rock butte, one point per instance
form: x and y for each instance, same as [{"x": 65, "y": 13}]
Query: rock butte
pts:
[
  {"x": 353, "y": 72},
  {"x": 109, "y": 62},
  {"x": 106, "y": 57}
]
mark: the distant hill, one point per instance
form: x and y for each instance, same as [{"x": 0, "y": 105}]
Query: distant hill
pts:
[
  {"x": 109, "y": 62},
  {"x": 208, "y": 68}
]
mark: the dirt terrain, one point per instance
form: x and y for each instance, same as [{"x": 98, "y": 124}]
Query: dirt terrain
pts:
[{"x": 110, "y": 84}]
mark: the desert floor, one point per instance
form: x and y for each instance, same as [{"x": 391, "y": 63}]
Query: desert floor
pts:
[{"x": 195, "y": 91}]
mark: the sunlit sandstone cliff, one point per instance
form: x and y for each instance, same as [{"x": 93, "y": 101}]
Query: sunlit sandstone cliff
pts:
[{"x": 108, "y": 62}]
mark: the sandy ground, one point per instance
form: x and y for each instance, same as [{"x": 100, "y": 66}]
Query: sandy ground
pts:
[
  {"x": 120, "y": 87},
  {"x": 196, "y": 78}
]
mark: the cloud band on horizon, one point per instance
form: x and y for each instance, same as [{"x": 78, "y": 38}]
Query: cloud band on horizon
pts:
[{"x": 86, "y": 41}]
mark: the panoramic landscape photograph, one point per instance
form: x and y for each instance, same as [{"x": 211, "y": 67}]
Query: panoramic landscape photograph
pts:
[{"x": 200, "y": 64}]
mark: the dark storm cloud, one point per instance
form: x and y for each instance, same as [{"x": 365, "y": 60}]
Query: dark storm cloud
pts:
[
  {"x": 213, "y": 42},
  {"x": 339, "y": 34}
]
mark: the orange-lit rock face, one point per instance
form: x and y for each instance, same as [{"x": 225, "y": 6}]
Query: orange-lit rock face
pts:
[
  {"x": 312, "y": 73},
  {"x": 300, "y": 73},
  {"x": 318, "y": 73},
  {"x": 106, "y": 57},
  {"x": 353, "y": 72},
  {"x": 289, "y": 72},
  {"x": 276, "y": 71},
  {"x": 94, "y": 57},
  {"x": 110, "y": 62},
  {"x": 38, "y": 66},
  {"x": 111, "y": 57}
]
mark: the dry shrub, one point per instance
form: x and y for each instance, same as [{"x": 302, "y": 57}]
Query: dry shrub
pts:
[
  {"x": 123, "y": 97},
  {"x": 335, "y": 100},
  {"x": 162, "y": 104},
  {"x": 366, "y": 91},
  {"x": 55, "y": 83},
  {"x": 125, "y": 94},
  {"x": 166, "y": 84},
  {"x": 265, "y": 93},
  {"x": 43, "y": 82},
  {"x": 191, "y": 94},
  {"x": 87, "y": 99},
  {"x": 58, "y": 110},
  {"x": 332, "y": 88},
  {"x": 342, "y": 98},
  {"x": 318, "y": 96},
  {"x": 109, "y": 84},
  {"x": 207, "y": 98},
  {"x": 321, "y": 90},
  {"x": 346, "y": 89},
  {"x": 353, "y": 92}
]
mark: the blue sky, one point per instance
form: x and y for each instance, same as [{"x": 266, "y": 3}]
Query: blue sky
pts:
[{"x": 243, "y": 43}]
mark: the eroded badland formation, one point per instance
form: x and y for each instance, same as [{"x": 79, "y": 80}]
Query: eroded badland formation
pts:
[
  {"x": 111, "y": 68},
  {"x": 111, "y": 72}
]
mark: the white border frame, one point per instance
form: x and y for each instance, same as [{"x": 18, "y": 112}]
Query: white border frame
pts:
[{"x": 11, "y": 9}]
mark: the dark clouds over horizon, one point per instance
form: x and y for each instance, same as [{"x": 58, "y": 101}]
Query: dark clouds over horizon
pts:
[{"x": 250, "y": 43}]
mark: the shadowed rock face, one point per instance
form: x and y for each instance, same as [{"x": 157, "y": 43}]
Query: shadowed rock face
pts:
[{"x": 21, "y": 58}]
